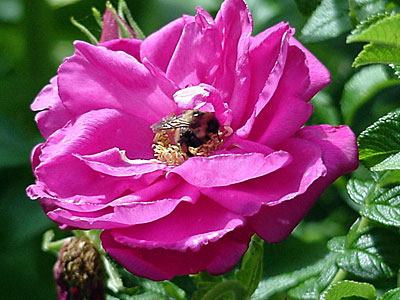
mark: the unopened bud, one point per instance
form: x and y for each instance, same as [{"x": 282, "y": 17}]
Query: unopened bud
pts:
[{"x": 79, "y": 271}]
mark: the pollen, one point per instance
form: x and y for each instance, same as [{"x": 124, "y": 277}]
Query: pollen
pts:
[{"x": 166, "y": 150}]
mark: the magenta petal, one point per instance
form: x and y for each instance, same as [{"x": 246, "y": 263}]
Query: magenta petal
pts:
[
  {"x": 159, "y": 46},
  {"x": 274, "y": 45},
  {"x": 129, "y": 46},
  {"x": 227, "y": 169},
  {"x": 113, "y": 79},
  {"x": 161, "y": 264},
  {"x": 197, "y": 54},
  {"x": 233, "y": 78},
  {"x": 339, "y": 153},
  {"x": 54, "y": 115},
  {"x": 284, "y": 184},
  {"x": 113, "y": 162},
  {"x": 318, "y": 73}
]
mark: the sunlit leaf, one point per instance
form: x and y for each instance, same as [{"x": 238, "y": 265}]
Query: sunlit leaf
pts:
[
  {"x": 371, "y": 254},
  {"x": 390, "y": 163},
  {"x": 380, "y": 140},
  {"x": 377, "y": 53},
  {"x": 384, "y": 31},
  {"x": 347, "y": 288},
  {"x": 391, "y": 295},
  {"x": 61, "y": 3}
]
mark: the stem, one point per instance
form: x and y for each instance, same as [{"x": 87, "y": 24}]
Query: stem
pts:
[
  {"x": 353, "y": 16},
  {"x": 224, "y": 287},
  {"x": 340, "y": 275},
  {"x": 82, "y": 28}
]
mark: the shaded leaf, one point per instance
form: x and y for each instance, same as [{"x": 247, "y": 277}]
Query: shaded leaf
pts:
[
  {"x": 366, "y": 8},
  {"x": 349, "y": 288},
  {"x": 371, "y": 254},
  {"x": 396, "y": 69},
  {"x": 302, "y": 283},
  {"x": 306, "y": 7},
  {"x": 361, "y": 87},
  {"x": 377, "y": 53},
  {"x": 380, "y": 140},
  {"x": 390, "y": 163},
  {"x": 325, "y": 111},
  {"x": 329, "y": 20}
]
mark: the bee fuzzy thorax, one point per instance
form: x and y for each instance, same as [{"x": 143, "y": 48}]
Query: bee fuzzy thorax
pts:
[{"x": 193, "y": 133}]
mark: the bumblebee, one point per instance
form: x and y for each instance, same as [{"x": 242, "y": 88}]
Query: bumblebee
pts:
[{"x": 192, "y": 128}]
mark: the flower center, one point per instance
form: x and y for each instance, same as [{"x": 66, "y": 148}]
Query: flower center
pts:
[{"x": 193, "y": 133}]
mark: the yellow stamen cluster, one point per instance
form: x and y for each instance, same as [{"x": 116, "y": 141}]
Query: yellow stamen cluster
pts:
[{"x": 172, "y": 154}]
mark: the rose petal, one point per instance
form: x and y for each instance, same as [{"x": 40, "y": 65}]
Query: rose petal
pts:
[
  {"x": 233, "y": 78},
  {"x": 284, "y": 184},
  {"x": 339, "y": 153},
  {"x": 129, "y": 46},
  {"x": 159, "y": 46},
  {"x": 318, "y": 73},
  {"x": 113, "y": 162},
  {"x": 54, "y": 115},
  {"x": 227, "y": 169},
  {"x": 113, "y": 79},
  {"x": 197, "y": 54},
  {"x": 161, "y": 264}
]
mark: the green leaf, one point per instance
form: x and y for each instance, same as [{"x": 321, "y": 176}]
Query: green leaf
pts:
[
  {"x": 329, "y": 20},
  {"x": 390, "y": 163},
  {"x": 310, "y": 280},
  {"x": 391, "y": 295},
  {"x": 377, "y": 53},
  {"x": 365, "y": 24},
  {"x": 362, "y": 87},
  {"x": 366, "y": 8},
  {"x": 380, "y": 140},
  {"x": 378, "y": 202},
  {"x": 204, "y": 282},
  {"x": 371, "y": 254},
  {"x": 383, "y": 31},
  {"x": 349, "y": 288},
  {"x": 306, "y": 7},
  {"x": 251, "y": 270}
]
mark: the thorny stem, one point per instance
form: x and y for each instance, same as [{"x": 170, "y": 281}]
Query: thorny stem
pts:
[{"x": 228, "y": 286}]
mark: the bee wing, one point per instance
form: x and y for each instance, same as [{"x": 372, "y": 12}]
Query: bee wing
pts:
[{"x": 170, "y": 123}]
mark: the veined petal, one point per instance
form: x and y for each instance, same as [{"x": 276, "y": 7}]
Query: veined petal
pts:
[
  {"x": 227, "y": 169},
  {"x": 339, "y": 153},
  {"x": 113, "y": 79}
]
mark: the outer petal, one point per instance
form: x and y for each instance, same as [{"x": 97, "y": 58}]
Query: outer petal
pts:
[
  {"x": 286, "y": 112},
  {"x": 113, "y": 79},
  {"x": 159, "y": 46},
  {"x": 92, "y": 133},
  {"x": 227, "y": 169},
  {"x": 54, "y": 114},
  {"x": 339, "y": 153},
  {"x": 284, "y": 184},
  {"x": 195, "y": 237},
  {"x": 318, "y": 73}
]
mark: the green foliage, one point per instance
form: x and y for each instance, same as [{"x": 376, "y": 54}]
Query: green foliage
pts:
[
  {"x": 361, "y": 88},
  {"x": 348, "y": 288},
  {"x": 391, "y": 295},
  {"x": 306, "y": 7},
  {"x": 368, "y": 253},
  {"x": 380, "y": 140},
  {"x": 329, "y": 20},
  {"x": 250, "y": 272},
  {"x": 377, "y": 54}
]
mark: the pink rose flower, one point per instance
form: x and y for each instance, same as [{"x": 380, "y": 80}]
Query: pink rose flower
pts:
[{"x": 165, "y": 211}]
